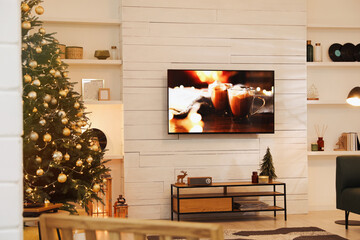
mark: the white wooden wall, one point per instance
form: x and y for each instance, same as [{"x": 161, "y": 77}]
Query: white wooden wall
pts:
[
  {"x": 210, "y": 34},
  {"x": 11, "y": 202}
]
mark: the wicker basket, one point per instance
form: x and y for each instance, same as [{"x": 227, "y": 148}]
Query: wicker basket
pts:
[
  {"x": 62, "y": 48},
  {"x": 73, "y": 52}
]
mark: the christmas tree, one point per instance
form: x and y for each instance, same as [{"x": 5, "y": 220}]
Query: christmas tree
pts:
[
  {"x": 267, "y": 167},
  {"x": 61, "y": 161}
]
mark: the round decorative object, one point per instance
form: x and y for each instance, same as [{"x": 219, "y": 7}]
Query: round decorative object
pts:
[
  {"x": 57, "y": 156},
  {"x": 26, "y": 25},
  {"x": 96, "y": 187},
  {"x": 42, "y": 31},
  {"x": 63, "y": 93},
  {"x": 347, "y": 52},
  {"x": 38, "y": 159},
  {"x": 62, "y": 178},
  {"x": 32, "y": 94},
  {"x": 29, "y": 190},
  {"x": 47, "y": 98},
  {"x": 76, "y": 105},
  {"x": 34, "y": 110},
  {"x": 66, "y": 132},
  {"x": 47, "y": 137},
  {"x": 42, "y": 122},
  {"x": 39, "y": 172},
  {"x": 38, "y": 50},
  {"x": 335, "y": 52},
  {"x": 27, "y": 78},
  {"x": 33, "y": 64},
  {"x": 102, "y": 54},
  {"x": 34, "y": 136},
  {"x": 67, "y": 157},
  {"x": 79, "y": 163},
  {"x": 89, "y": 159},
  {"x": 357, "y": 53},
  {"x": 57, "y": 74},
  {"x": 64, "y": 121},
  {"x": 100, "y": 137},
  {"x": 36, "y": 82},
  {"x": 52, "y": 71},
  {"x": 53, "y": 101},
  {"x": 80, "y": 114},
  {"x": 65, "y": 74},
  {"x": 43, "y": 42},
  {"x": 46, "y": 105},
  {"x": 78, "y": 146},
  {"x": 95, "y": 148},
  {"x": 24, "y": 46},
  {"x": 25, "y": 7},
  {"x": 58, "y": 60},
  {"x": 61, "y": 114},
  {"x": 39, "y": 10}
]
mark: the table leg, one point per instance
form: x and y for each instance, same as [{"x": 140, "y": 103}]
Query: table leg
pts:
[
  {"x": 39, "y": 230},
  {"x": 178, "y": 204},
  {"x": 172, "y": 203},
  {"x": 274, "y": 200},
  {"x": 58, "y": 233},
  {"x": 285, "y": 202}
]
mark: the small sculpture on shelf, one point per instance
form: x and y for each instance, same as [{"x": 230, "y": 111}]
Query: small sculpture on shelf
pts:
[
  {"x": 312, "y": 93},
  {"x": 341, "y": 143},
  {"x": 180, "y": 178}
]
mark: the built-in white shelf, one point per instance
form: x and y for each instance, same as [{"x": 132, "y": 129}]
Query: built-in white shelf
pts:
[
  {"x": 91, "y": 62},
  {"x": 111, "y": 102},
  {"x": 113, "y": 156},
  {"x": 332, "y": 153},
  {"x": 333, "y": 26},
  {"x": 333, "y": 64},
  {"x": 115, "y": 22},
  {"x": 322, "y": 102}
]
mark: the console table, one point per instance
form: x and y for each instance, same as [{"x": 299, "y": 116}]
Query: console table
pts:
[{"x": 223, "y": 202}]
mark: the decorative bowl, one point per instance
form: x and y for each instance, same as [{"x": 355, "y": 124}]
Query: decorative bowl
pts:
[{"x": 102, "y": 54}]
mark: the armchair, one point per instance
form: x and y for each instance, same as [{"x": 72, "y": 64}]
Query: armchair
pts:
[{"x": 348, "y": 185}]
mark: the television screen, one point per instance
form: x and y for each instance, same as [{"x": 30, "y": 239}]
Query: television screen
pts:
[{"x": 240, "y": 101}]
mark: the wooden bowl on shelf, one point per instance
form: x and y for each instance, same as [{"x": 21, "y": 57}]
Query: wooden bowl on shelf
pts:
[{"x": 102, "y": 54}]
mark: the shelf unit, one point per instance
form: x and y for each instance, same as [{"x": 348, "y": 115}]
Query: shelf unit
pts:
[{"x": 223, "y": 202}]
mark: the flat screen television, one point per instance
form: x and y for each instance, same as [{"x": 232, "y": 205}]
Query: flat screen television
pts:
[{"x": 226, "y": 101}]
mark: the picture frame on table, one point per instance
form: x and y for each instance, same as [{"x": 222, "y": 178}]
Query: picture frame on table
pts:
[
  {"x": 104, "y": 94},
  {"x": 90, "y": 89}
]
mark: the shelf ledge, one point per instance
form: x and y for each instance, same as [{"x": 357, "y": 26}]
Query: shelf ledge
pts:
[
  {"x": 82, "y": 21},
  {"x": 111, "y": 102},
  {"x": 320, "y": 102},
  {"x": 333, "y": 64},
  {"x": 91, "y": 62},
  {"x": 332, "y": 153},
  {"x": 332, "y": 26}
]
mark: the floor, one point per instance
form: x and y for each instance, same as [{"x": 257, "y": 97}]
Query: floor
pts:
[{"x": 263, "y": 221}]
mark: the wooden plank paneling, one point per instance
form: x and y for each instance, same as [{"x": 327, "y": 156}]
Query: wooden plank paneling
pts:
[{"x": 267, "y": 59}]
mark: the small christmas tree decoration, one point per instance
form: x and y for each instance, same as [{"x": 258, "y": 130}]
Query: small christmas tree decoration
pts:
[
  {"x": 38, "y": 159},
  {"x": 39, "y": 10},
  {"x": 76, "y": 105},
  {"x": 38, "y": 50},
  {"x": 34, "y": 136},
  {"x": 25, "y": 7},
  {"x": 61, "y": 114},
  {"x": 26, "y": 25},
  {"x": 36, "y": 82},
  {"x": 89, "y": 160},
  {"x": 27, "y": 78},
  {"x": 79, "y": 163},
  {"x": 78, "y": 146},
  {"x": 66, "y": 132},
  {"x": 64, "y": 121},
  {"x": 34, "y": 110},
  {"x": 32, "y": 94},
  {"x": 29, "y": 190},
  {"x": 52, "y": 71},
  {"x": 42, "y": 122},
  {"x": 47, "y": 98},
  {"x": 39, "y": 172},
  {"x": 47, "y": 137},
  {"x": 57, "y": 156},
  {"x": 62, "y": 93},
  {"x": 46, "y": 105},
  {"x": 96, "y": 188},
  {"x": 33, "y": 64},
  {"x": 66, "y": 157},
  {"x": 43, "y": 41},
  {"x": 267, "y": 167},
  {"x": 54, "y": 101},
  {"x": 62, "y": 178}
]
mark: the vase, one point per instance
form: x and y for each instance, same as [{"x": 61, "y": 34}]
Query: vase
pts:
[{"x": 320, "y": 143}]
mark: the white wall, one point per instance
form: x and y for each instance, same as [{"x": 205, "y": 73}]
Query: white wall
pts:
[
  {"x": 210, "y": 34},
  {"x": 10, "y": 121}
]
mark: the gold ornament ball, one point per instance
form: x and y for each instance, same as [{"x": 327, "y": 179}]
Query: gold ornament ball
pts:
[
  {"x": 27, "y": 78},
  {"x": 79, "y": 123},
  {"x": 36, "y": 82},
  {"x": 29, "y": 190},
  {"x": 47, "y": 137},
  {"x": 34, "y": 136},
  {"x": 78, "y": 146},
  {"x": 80, "y": 114},
  {"x": 95, "y": 148},
  {"x": 46, "y": 105},
  {"x": 96, "y": 187},
  {"x": 33, "y": 64},
  {"x": 62, "y": 178},
  {"x": 89, "y": 159},
  {"x": 25, "y": 7},
  {"x": 42, "y": 122},
  {"x": 64, "y": 121},
  {"x": 61, "y": 114},
  {"x": 66, "y": 132},
  {"x": 57, "y": 156},
  {"x": 57, "y": 74},
  {"x": 38, "y": 50},
  {"x": 42, "y": 31},
  {"x": 39, "y": 172},
  {"x": 52, "y": 71},
  {"x": 32, "y": 94},
  {"x": 24, "y": 46},
  {"x": 65, "y": 74},
  {"x": 38, "y": 159},
  {"x": 43, "y": 42},
  {"x": 39, "y": 10},
  {"x": 62, "y": 93},
  {"x": 47, "y": 98},
  {"x": 76, "y": 105},
  {"x": 67, "y": 157},
  {"x": 34, "y": 110},
  {"x": 79, "y": 163},
  {"x": 53, "y": 101},
  {"x": 58, "y": 61},
  {"x": 26, "y": 25}
]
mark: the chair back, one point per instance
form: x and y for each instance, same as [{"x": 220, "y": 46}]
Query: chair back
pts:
[{"x": 140, "y": 229}]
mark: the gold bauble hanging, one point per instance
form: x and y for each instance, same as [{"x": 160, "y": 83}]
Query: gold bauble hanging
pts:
[
  {"x": 64, "y": 121},
  {"x": 29, "y": 190},
  {"x": 58, "y": 61},
  {"x": 62, "y": 93},
  {"x": 34, "y": 110},
  {"x": 79, "y": 163},
  {"x": 79, "y": 114},
  {"x": 79, "y": 123},
  {"x": 36, "y": 82},
  {"x": 47, "y": 98},
  {"x": 52, "y": 71},
  {"x": 42, "y": 122},
  {"x": 38, "y": 159},
  {"x": 67, "y": 157},
  {"x": 95, "y": 148},
  {"x": 43, "y": 42},
  {"x": 46, "y": 105},
  {"x": 78, "y": 146},
  {"x": 42, "y": 31},
  {"x": 76, "y": 105},
  {"x": 33, "y": 64},
  {"x": 61, "y": 114},
  {"x": 26, "y": 25},
  {"x": 32, "y": 94},
  {"x": 57, "y": 156},
  {"x": 27, "y": 78},
  {"x": 66, "y": 132},
  {"x": 39, "y": 10},
  {"x": 39, "y": 172},
  {"x": 25, "y": 7},
  {"x": 53, "y": 101},
  {"x": 96, "y": 187},
  {"x": 34, "y": 136},
  {"x": 62, "y": 178},
  {"x": 38, "y": 50},
  {"x": 47, "y": 137},
  {"x": 65, "y": 74},
  {"x": 24, "y": 46},
  {"x": 89, "y": 159},
  {"x": 57, "y": 74}
]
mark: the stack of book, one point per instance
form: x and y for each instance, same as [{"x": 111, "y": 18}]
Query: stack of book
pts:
[
  {"x": 250, "y": 205},
  {"x": 349, "y": 141}
]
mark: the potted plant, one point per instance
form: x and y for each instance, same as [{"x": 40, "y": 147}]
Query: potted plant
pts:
[{"x": 267, "y": 167}]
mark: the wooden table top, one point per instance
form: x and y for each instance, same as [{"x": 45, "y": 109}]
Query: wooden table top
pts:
[{"x": 45, "y": 208}]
